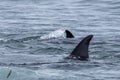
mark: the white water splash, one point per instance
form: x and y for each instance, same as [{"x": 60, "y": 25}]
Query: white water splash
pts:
[{"x": 54, "y": 34}]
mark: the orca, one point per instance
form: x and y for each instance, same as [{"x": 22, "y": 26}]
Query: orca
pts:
[
  {"x": 80, "y": 52},
  {"x": 69, "y": 34}
]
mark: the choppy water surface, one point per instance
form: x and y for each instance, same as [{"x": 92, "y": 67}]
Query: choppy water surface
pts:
[{"x": 23, "y": 22}]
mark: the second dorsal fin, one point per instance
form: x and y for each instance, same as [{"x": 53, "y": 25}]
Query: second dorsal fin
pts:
[{"x": 69, "y": 34}]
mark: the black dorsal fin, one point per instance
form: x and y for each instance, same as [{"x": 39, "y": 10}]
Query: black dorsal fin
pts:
[
  {"x": 69, "y": 34},
  {"x": 81, "y": 50}
]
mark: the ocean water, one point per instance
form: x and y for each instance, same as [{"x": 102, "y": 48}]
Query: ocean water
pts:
[{"x": 32, "y": 39}]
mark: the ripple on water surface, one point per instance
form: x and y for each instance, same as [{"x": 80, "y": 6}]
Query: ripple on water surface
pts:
[{"x": 24, "y": 22}]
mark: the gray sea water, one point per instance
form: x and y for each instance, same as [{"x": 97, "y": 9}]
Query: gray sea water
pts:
[{"x": 23, "y": 22}]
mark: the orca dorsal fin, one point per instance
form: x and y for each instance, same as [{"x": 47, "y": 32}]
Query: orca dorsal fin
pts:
[
  {"x": 81, "y": 50},
  {"x": 69, "y": 34}
]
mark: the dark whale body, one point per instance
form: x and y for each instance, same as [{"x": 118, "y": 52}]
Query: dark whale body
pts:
[{"x": 80, "y": 52}]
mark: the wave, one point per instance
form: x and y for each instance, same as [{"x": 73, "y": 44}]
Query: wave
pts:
[
  {"x": 31, "y": 64},
  {"x": 60, "y": 33}
]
